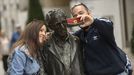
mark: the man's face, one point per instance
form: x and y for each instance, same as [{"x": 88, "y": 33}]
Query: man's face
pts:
[
  {"x": 18, "y": 29},
  {"x": 79, "y": 10}
]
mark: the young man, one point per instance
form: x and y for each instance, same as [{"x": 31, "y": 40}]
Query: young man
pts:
[
  {"x": 63, "y": 56},
  {"x": 101, "y": 54}
]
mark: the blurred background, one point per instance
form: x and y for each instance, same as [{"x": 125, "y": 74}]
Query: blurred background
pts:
[{"x": 15, "y": 14}]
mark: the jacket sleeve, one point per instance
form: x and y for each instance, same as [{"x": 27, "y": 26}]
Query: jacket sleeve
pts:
[
  {"x": 18, "y": 62},
  {"x": 105, "y": 27}
]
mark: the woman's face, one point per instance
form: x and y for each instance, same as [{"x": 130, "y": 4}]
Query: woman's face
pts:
[{"x": 42, "y": 34}]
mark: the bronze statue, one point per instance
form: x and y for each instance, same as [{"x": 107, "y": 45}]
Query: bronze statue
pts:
[{"x": 64, "y": 53}]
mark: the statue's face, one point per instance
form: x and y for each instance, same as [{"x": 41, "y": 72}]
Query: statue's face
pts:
[{"x": 59, "y": 23}]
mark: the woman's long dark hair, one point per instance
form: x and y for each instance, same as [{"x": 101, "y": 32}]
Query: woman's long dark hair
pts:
[{"x": 30, "y": 37}]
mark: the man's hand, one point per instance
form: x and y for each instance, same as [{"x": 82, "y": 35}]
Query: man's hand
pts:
[{"x": 87, "y": 20}]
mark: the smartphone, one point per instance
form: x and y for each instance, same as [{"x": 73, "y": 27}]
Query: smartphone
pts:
[{"x": 74, "y": 21}]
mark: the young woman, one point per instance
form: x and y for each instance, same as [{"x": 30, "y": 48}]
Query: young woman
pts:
[{"x": 24, "y": 59}]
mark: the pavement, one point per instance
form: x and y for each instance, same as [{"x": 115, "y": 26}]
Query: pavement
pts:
[{"x": 1, "y": 67}]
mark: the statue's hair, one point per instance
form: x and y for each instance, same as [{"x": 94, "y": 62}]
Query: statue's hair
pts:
[{"x": 53, "y": 15}]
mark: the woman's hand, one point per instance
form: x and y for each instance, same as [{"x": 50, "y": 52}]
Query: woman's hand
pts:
[{"x": 48, "y": 35}]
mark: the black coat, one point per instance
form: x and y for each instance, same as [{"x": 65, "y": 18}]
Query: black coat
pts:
[{"x": 102, "y": 55}]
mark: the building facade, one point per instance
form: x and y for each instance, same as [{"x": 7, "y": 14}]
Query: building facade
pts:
[{"x": 10, "y": 11}]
